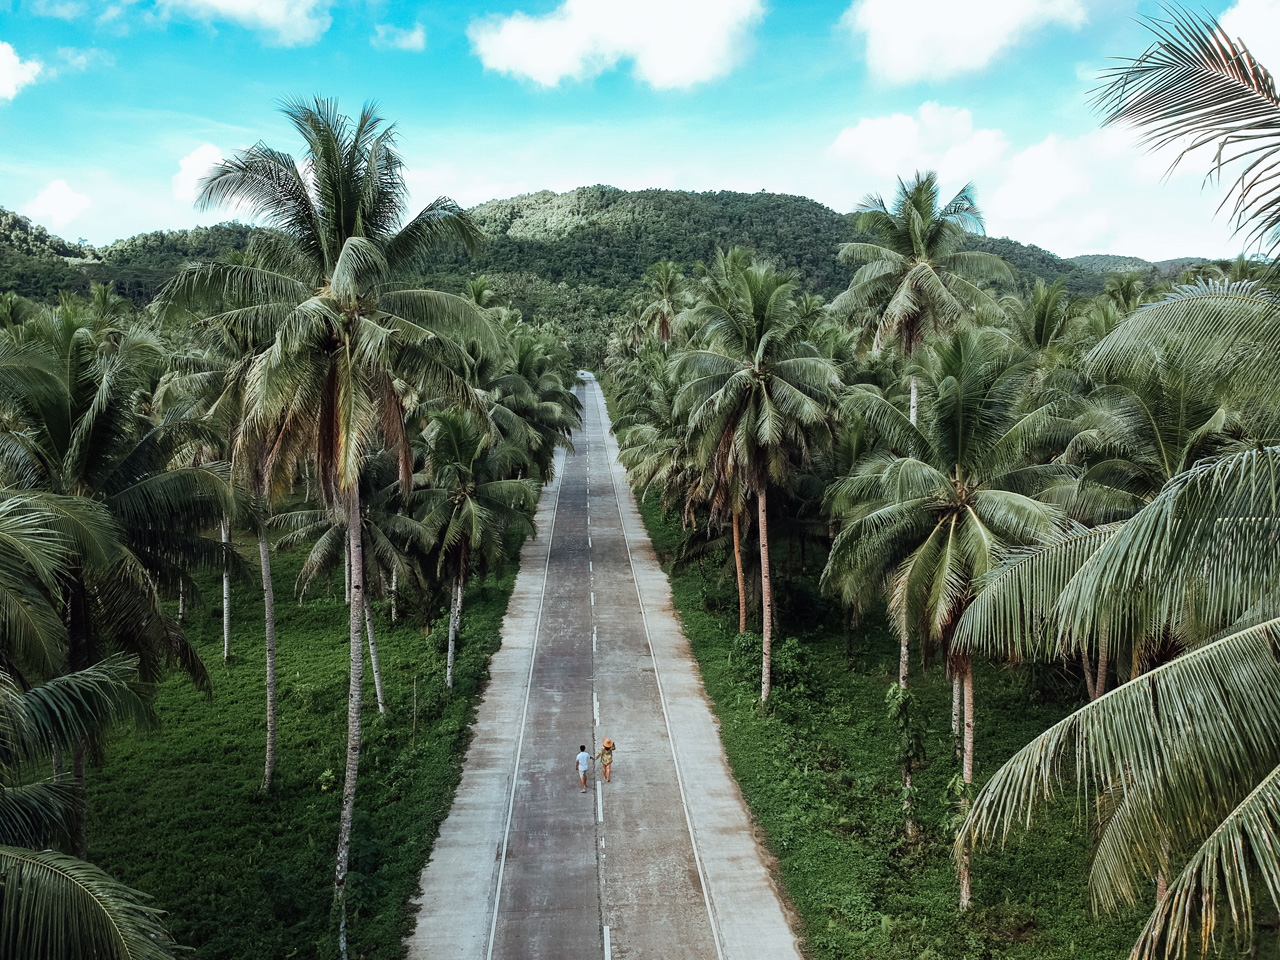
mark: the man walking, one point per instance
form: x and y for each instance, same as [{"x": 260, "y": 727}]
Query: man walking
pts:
[{"x": 583, "y": 761}]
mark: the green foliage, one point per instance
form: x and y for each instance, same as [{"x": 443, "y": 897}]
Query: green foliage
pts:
[
  {"x": 176, "y": 811},
  {"x": 821, "y": 774}
]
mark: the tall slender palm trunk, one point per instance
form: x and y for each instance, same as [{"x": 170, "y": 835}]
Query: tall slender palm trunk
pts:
[
  {"x": 1100, "y": 685},
  {"x": 957, "y": 709},
  {"x": 742, "y": 581},
  {"x": 355, "y": 698},
  {"x": 226, "y": 594},
  {"x": 395, "y": 589},
  {"x": 78, "y": 659},
  {"x": 904, "y": 662},
  {"x": 766, "y": 605},
  {"x": 455, "y": 618},
  {"x": 966, "y": 893},
  {"x": 346, "y": 572},
  {"x": 373, "y": 656},
  {"x": 269, "y": 615}
]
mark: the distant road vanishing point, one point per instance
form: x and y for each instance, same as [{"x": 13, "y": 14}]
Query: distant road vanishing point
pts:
[{"x": 661, "y": 863}]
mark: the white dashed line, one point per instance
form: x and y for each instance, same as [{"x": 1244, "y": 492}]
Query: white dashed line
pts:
[
  {"x": 666, "y": 716},
  {"x": 600, "y": 801},
  {"x": 593, "y": 598},
  {"x": 595, "y": 708},
  {"x": 524, "y": 715}
]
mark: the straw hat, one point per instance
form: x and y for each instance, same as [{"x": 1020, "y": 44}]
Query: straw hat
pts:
[{"x": 608, "y": 743}]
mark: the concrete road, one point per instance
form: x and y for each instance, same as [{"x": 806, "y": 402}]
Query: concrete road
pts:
[{"x": 661, "y": 862}]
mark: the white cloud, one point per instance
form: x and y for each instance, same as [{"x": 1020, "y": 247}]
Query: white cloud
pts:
[
  {"x": 56, "y": 205},
  {"x": 289, "y": 23},
  {"x": 1257, "y": 23},
  {"x": 673, "y": 43},
  {"x": 1095, "y": 193},
  {"x": 77, "y": 60},
  {"x": 936, "y": 138},
  {"x": 192, "y": 169},
  {"x": 937, "y": 39},
  {"x": 62, "y": 9},
  {"x": 15, "y": 73},
  {"x": 387, "y": 37}
]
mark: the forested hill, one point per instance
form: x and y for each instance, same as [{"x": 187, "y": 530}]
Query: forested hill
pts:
[
  {"x": 607, "y": 237},
  {"x": 576, "y": 257}
]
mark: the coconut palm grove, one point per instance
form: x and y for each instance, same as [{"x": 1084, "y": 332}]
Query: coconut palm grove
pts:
[{"x": 972, "y": 555}]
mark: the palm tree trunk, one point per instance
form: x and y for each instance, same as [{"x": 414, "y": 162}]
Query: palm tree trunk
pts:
[
  {"x": 269, "y": 615},
  {"x": 395, "y": 580},
  {"x": 1100, "y": 685},
  {"x": 373, "y": 657},
  {"x": 182, "y": 603},
  {"x": 346, "y": 572},
  {"x": 455, "y": 618},
  {"x": 966, "y": 894},
  {"x": 1088, "y": 675},
  {"x": 904, "y": 663},
  {"x": 742, "y": 582},
  {"x": 355, "y": 698},
  {"x": 226, "y": 593},
  {"x": 78, "y": 659},
  {"x": 957, "y": 694},
  {"x": 766, "y": 596}
]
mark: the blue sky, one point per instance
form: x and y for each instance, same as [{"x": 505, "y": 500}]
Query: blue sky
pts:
[{"x": 110, "y": 111}]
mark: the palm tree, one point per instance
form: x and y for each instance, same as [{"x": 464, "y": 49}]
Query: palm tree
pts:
[
  {"x": 1186, "y": 759},
  {"x": 467, "y": 499},
  {"x": 756, "y": 398},
  {"x": 391, "y": 543},
  {"x": 89, "y": 435},
  {"x": 934, "y": 515},
  {"x": 1198, "y": 87},
  {"x": 667, "y": 290},
  {"x": 53, "y": 905},
  {"x": 351, "y": 341},
  {"x": 1044, "y": 321},
  {"x": 1127, "y": 290},
  {"x": 918, "y": 280}
]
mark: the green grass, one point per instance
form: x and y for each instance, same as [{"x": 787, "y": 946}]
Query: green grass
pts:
[
  {"x": 819, "y": 774},
  {"x": 176, "y": 812}
]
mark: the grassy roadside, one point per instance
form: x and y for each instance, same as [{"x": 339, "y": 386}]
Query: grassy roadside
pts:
[
  {"x": 819, "y": 775},
  {"x": 176, "y": 811}
]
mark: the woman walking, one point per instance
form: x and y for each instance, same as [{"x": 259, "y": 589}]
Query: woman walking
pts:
[{"x": 605, "y": 756}]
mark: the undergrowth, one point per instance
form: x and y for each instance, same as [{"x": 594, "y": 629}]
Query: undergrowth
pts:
[{"x": 176, "y": 812}]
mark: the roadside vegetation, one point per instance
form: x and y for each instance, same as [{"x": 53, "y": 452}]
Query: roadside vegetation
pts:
[
  {"x": 981, "y": 561},
  {"x": 299, "y": 393},
  {"x": 1077, "y": 487}
]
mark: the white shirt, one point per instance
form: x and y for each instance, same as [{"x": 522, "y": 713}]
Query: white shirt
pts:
[{"x": 584, "y": 760}]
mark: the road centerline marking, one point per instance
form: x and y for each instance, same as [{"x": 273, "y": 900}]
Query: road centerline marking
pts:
[
  {"x": 599, "y": 802},
  {"x": 524, "y": 716},
  {"x": 666, "y": 718}
]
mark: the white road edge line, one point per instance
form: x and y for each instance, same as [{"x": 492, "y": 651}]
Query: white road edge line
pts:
[
  {"x": 599, "y": 802},
  {"x": 608, "y": 952},
  {"x": 657, "y": 676},
  {"x": 524, "y": 714}
]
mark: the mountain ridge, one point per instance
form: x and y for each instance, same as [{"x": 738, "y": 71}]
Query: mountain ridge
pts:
[{"x": 598, "y": 238}]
